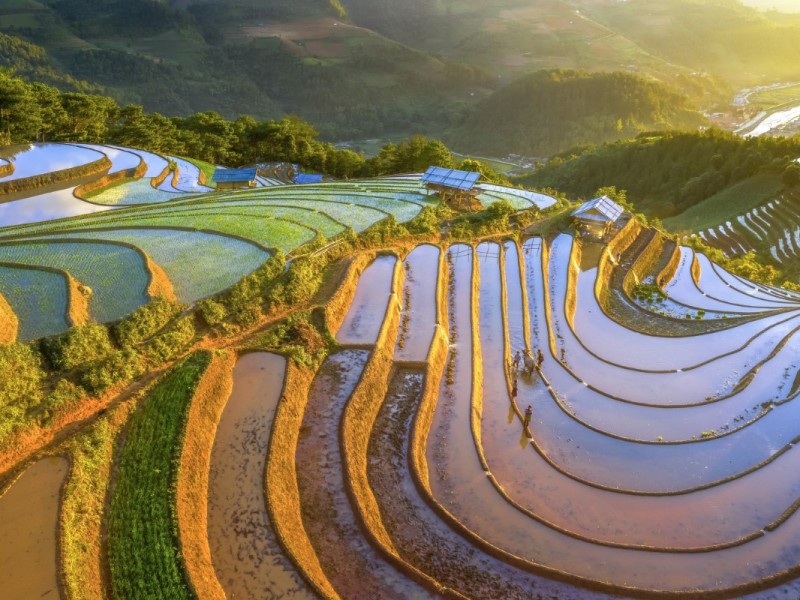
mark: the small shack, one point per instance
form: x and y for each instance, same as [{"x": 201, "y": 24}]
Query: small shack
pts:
[
  {"x": 302, "y": 178},
  {"x": 234, "y": 179},
  {"x": 456, "y": 187},
  {"x": 597, "y": 217}
]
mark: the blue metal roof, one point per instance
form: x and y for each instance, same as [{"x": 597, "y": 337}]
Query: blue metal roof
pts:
[
  {"x": 307, "y": 178},
  {"x": 233, "y": 175},
  {"x": 460, "y": 180}
]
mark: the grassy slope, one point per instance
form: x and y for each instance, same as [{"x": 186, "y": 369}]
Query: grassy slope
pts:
[{"x": 726, "y": 204}]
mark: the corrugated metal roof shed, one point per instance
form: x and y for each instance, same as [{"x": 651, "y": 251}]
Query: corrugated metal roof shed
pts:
[
  {"x": 233, "y": 175},
  {"x": 460, "y": 180},
  {"x": 307, "y": 178},
  {"x": 599, "y": 209}
]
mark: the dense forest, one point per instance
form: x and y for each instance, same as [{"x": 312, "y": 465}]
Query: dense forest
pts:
[
  {"x": 35, "y": 111},
  {"x": 666, "y": 173},
  {"x": 549, "y": 111}
]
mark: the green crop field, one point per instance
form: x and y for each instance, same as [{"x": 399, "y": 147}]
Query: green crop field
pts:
[
  {"x": 115, "y": 274},
  {"x": 198, "y": 264},
  {"x": 143, "y": 550}
]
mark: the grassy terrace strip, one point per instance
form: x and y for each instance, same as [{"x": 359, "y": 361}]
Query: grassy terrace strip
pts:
[
  {"x": 116, "y": 274},
  {"x": 143, "y": 545},
  {"x": 9, "y": 323}
]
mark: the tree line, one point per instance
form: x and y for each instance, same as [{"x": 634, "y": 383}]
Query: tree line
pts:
[
  {"x": 38, "y": 112},
  {"x": 665, "y": 173}
]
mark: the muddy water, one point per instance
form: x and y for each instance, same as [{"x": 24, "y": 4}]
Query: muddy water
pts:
[
  {"x": 750, "y": 288},
  {"x": 450, "y": 431},
  {"x": 418, "y": 317},
  {"x": 28, "y": 531},
  {"x": 247, "y": 558},
  {"x": 365, "y": 316},
  {"x": 614, "y": 343},
  {"x": 440, "y": 552},
  {"x": 353, "y": 567},
  {"x": 734, "y": 286},
  {"x": 713, "y": 296},
  {"x": 617, "y": 464},
  {"x": 688, "y": 521},
  {"x": 473, "y": 500}
]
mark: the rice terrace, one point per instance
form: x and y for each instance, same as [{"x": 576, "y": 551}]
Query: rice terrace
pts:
[{"x": 383, "y": 388}]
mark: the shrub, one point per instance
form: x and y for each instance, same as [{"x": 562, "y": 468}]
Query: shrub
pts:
[
  {"x": 65, "y": 395},
  {"x": 211, "y": 311},
  {"x": 170, "y": 344},
  {"x": 21, "y": 374},
  {"x": 300, "y": 337},
  {"x": 78, "y": 346},
  {"x": 121, "y": 366},
  {"x": 145, "y": 321},
  {"x": 243, "y": 301}
]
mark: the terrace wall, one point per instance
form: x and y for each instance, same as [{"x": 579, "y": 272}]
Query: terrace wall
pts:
[
  {"x": 9, "y": 323},
  {"x": 96, "y": 168},
  {"x": 282, "y": 492},
  {"x": 191, "y": 495},
  {"x": 6, "y": 168},
  {"x": 86, "y": 190}
]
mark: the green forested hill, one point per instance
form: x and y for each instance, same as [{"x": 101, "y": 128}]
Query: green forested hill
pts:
[
  {"x": 263, "y": 58},
  {"x": 668, "y": 173},
  {"x": 370, "y": 68},
  {"x": 549, "y": 111}
]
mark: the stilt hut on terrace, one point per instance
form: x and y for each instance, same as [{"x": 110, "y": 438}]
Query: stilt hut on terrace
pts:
[
  {"x": 456, "y": 187},
  {"x": 597, "y": 217},
  {"x": 234, "y": 179}
]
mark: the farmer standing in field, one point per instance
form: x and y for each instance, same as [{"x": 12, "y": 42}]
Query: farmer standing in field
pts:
[
  {"x": 528, "y": 414},
  {"x": 539, "y": 359},
  {"x": 517, "y": 358}
]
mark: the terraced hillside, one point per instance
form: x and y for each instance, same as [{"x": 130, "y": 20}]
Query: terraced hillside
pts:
[
  {"x": 658, "y": 461},
  {"x": 145, "y": 225},
  {"x": 773, "y": 227}
]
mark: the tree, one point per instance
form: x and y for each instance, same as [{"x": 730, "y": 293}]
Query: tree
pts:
[{"x": 791, "y": 175}]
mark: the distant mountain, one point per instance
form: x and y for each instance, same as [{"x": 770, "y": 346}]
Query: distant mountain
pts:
[
  {"x": 263, "y": 58},
  {"x": 372, "y": 68},
  {"x": 550, "y": 111}
]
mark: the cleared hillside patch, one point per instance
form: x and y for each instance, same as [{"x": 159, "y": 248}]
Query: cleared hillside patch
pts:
[{"x": 728, "y": 203}]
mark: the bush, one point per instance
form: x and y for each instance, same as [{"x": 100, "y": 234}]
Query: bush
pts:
[
  {"x": 211, "y": 311},
  {"x": 64, "y": 396},
  {"x": 300, "y": 337},
  {"x": 243, "y": 301},
  {"x": 170, "y": 344},
  {"x": 145, "y": 321},
  {"x": 21, "y": 373},
  {"x": 121, "y": 366},
  {"x": 78, "y": 346}
]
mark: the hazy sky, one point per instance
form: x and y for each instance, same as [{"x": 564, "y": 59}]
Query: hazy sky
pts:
[{"x": 784, "y": 5}]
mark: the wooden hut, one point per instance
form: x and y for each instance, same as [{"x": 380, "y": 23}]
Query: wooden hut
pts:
[
  {"x": 597, "y": 217},
  {"x": 234, "y": 179},
  {"x": 454, "y": 187}
]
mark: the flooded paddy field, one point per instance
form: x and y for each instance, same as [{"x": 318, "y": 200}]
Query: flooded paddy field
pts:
[{"x": 426, "y": 461}]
